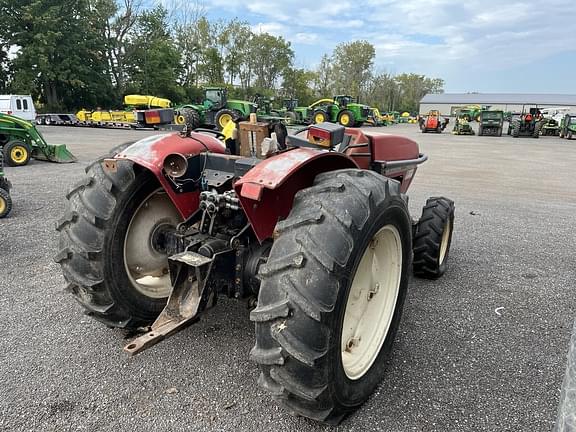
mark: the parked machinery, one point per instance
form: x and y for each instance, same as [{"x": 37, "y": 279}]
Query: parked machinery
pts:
[
  {"x": 5, "y": 186},
  {"x": 315, "y": 235},
  {"x": 20, "y": 141},
  {"x": 491, "y": 123},
  {"x": 215, "y": 110},
  {"x": 341, "y": 109},
  {"x": 433, "y": 122},
  {"x": 527, "y": 124},
  {"x": 550, "y": 127},
  {"x": 568, "y": 126},
  {"x": 462, "y": 125}
]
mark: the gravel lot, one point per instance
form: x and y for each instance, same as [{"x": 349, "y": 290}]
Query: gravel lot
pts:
[{"x": 483, "y": 348}]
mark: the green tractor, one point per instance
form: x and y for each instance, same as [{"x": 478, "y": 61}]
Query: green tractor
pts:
[
  {"x": 294, "y": 113},
  {"x": 491, "y": 123},
  {"x": 342, "y": 109},
  {"x": 5, "y": 186},
  {"x": 462, "y": 125},
  {"x": 568, "y": 126},
  {"x": 216, "y": 110},
  {"x": 527, "y": 124},
  {"x": 20, "y": 140}
]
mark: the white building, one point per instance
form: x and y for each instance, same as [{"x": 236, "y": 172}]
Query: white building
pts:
[{"x": 513, "y": 102}]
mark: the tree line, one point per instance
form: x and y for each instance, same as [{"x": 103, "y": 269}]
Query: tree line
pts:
[{"x": 71, "y": 54}]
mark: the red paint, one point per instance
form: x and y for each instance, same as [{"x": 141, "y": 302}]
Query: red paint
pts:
[
  {"x": 150, "y": 153},
  {"x": 278, "y": 179}
]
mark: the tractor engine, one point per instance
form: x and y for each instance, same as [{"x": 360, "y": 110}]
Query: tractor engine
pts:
[{"x": 219, "y": 229}]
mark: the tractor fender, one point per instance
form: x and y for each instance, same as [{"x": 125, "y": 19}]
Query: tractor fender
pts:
[
  {"x": 150, "y": 152},
  {"x": 267, "y": 191}
]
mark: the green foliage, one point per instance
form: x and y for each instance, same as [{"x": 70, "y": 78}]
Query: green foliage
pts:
[
  {"x": 152, "y": 59},
  {"x": 352, "y": 66},
  {"x": 413, "y": 87},
  {"x": 297, "y": 83},
  {"x": 89, "y": 53}
]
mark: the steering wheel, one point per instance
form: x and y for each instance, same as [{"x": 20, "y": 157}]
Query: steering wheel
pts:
[{"x": 214, "y": 132}]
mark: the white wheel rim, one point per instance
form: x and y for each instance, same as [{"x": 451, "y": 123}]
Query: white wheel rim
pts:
[
  {"x": 146, "y": 267},
  {"x": 371, "y": 302},
  {"x": 444, "y": 241}
]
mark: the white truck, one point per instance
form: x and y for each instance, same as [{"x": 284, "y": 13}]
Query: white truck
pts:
[{"x": 19, "y": 106}]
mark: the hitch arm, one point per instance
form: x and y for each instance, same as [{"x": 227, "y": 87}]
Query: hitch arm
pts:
[{"x": 189, "y": 296}]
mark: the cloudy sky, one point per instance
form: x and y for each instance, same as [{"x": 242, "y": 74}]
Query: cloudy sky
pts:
[{"x": 474, "y": 45}]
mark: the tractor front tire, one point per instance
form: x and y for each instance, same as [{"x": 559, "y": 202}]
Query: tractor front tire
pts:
[
  {"x": 332, "y": 294},
  {"x": 346, "y": 118},
  {"x": 17, "y": 153},
  {"x": 224, "y": 116},
  {"x": 105, "y": 244},
  {"x": 5, "y": 203},
  {"x": 433, "y": 237},
  {"x": 319, "y": 116}
]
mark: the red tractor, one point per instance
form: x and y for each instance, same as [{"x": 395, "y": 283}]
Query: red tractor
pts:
[
  {"x": 433, "y": 122},
  {"x": 316, "y": 237}
]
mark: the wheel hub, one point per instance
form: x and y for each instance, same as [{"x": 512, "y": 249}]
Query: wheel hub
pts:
[
  {"x": 371, "y": 302},
  {"x": 145, "y": 257},
  {"x": 18, "y": 154}
]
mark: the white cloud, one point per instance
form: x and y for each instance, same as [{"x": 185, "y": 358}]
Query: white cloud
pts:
[
  {"x": 306, "y": 38},
  {"x": 434, "y": 37}
]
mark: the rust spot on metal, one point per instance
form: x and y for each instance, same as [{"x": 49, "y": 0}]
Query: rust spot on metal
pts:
[{"x": 109, "y": 165}]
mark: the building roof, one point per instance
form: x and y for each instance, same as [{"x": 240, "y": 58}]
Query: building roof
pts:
[{"x": 501, "y": 98}]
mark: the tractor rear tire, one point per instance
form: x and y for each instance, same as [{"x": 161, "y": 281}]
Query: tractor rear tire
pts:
[
  {"x": 433, "y": 237},
  {"x": 17, "y": 153},
  {"x": 291, "y": 117},
  {"x": 110, "y": 219},
  {"x": 224, "y": 116},
  {"x": 5, "y": 203},
  {"x": 538, "y": 128},
  {"x": 342, "y": 236},
  {"x": 516, "y": 128},
  {"x": 346, "y": 118},
  {"x": 191, "y": 118}
]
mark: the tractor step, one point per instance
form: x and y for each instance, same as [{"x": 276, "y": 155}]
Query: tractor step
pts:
[{"x": 190, "y": 272}]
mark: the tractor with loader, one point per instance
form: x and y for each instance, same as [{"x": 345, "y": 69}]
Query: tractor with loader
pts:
[
  {"x": 215, "y": 110},
  {"x": 433, "y": 122},
  {"x": 20, "y": 141},
  {"x": 314, "y": 234}
]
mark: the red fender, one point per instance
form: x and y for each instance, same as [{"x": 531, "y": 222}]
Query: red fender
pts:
[
  {"x": 150, "y": 153},
  {"x": 267, "y": 191}
]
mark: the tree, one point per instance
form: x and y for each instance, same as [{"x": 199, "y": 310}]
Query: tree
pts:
[
  {"x": 352, "y": 66},
  {"x": 115, "y": 20},
  {"x": 270, "y": 56},
  {"x": 152, "y": 58},
  {"x": 324, "y": 80},
  {"x": 298, "y": 83},
  {"x": 413, "y": 88},
  {"x": 59, "y": 53}
]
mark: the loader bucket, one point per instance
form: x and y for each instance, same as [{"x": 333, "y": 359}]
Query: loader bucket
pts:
[{"x": 54, "y": 153}]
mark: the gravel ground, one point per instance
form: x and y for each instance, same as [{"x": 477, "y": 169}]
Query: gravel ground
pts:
[{"x": 483, "y": 348}]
